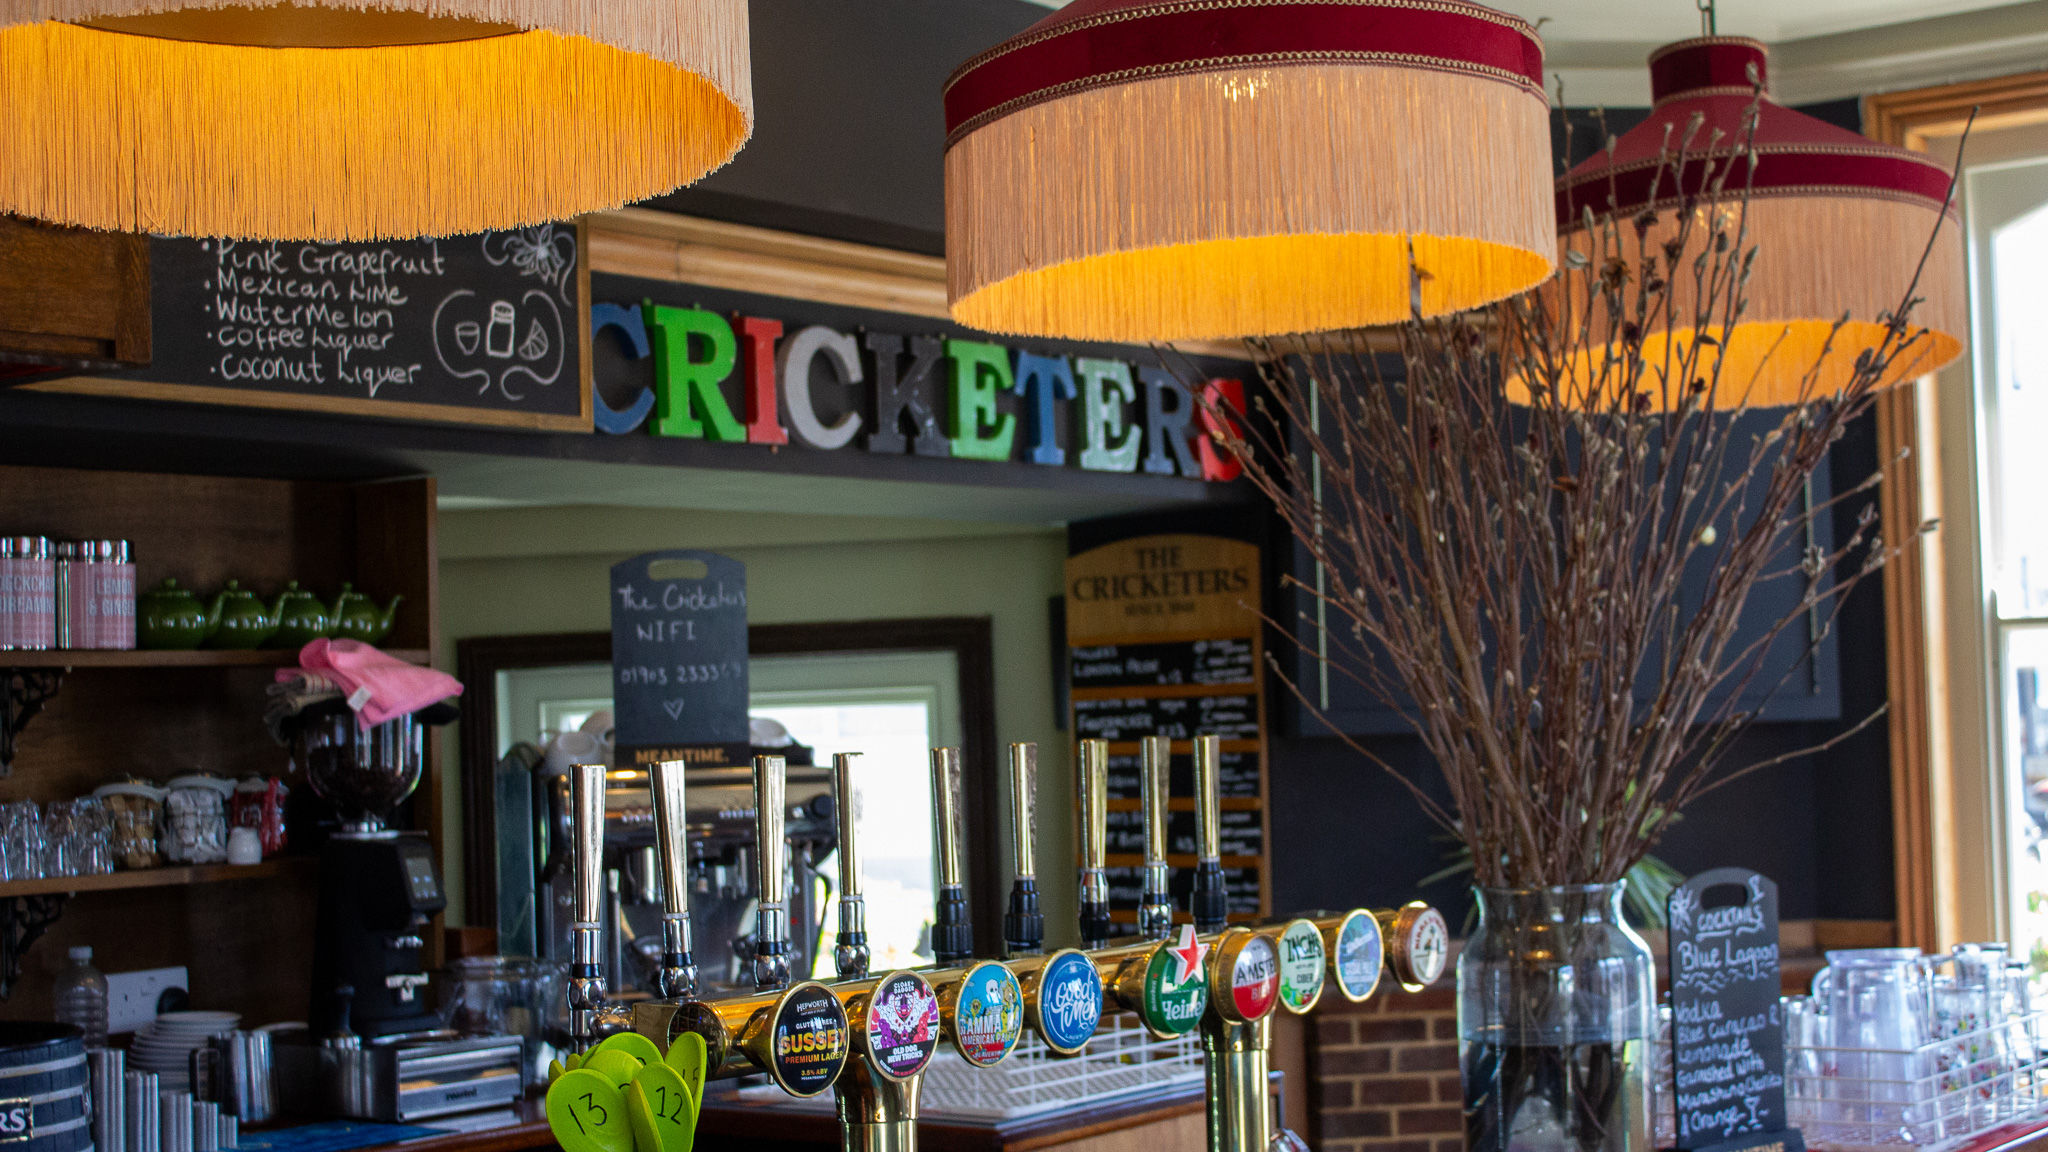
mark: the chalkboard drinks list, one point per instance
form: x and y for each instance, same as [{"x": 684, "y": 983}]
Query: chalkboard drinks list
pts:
[
  {"x": 1164, "y": 639},
  {"x": 1727, "y": 1033},
  {"x": 488, "y": 328},
  {"x": 679, "y": 659}
]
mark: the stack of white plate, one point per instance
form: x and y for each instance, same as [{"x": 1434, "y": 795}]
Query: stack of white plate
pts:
[{"x": 164, "y": 1046}]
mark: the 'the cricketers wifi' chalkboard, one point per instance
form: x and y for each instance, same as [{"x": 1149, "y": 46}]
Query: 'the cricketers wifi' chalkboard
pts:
[
  {"x": 679, "y": 658},
  {"x": 484, "y": 329}
]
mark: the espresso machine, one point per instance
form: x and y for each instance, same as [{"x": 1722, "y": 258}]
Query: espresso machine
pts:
[{"x": 718, "y": 866}]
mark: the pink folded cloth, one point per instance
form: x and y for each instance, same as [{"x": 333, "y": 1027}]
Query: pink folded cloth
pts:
[{"x": 379, "y": 687}]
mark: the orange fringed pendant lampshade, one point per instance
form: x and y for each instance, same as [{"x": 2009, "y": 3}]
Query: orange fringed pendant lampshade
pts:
[
  {"x": 361, "y": 119},
  {"x": 1839, "y": 223},
  {"x": 1199, "y": 169}
]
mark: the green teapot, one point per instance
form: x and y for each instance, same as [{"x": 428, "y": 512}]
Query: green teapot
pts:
[
  {"x": 301, "y": 617},
  {"x": 242, "y": 621},
  {"x": 355, "y": 616},
  {"x": 168, "y": 616}
]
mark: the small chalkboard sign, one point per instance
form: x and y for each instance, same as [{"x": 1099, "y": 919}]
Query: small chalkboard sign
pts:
[
  {"x": 1727, "y": 1034},
  {"x": 491, "y": 328},
  {"x": 679, "y": 658}
]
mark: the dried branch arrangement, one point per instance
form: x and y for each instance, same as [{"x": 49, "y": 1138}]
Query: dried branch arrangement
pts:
[{"x": 1507, "y": 574}]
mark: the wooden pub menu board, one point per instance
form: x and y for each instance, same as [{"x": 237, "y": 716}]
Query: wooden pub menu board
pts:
[
  {"x": 491, "y": 328},
  {"x": 1164, "y": 639},
  {"x": 1727, "y": 1032}
]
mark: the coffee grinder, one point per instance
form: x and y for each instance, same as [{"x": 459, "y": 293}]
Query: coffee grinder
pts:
[{"x": 378, "y": 887}]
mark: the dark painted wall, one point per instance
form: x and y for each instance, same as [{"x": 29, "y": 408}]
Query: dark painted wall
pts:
[{"x": 850, "y": 133}]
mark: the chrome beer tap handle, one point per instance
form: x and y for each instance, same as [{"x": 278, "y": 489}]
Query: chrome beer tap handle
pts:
[
  {"x": 1092, "y": 782},
  {"x": 586, "y": 971},
  {"x": 1155, "y": 906},
  {"x": 952, "y": 928},
  {"x": 1210, "y": 905},
  {"x": 677, "y": 978},
  {"x": 851, "y": 952},
  {"x": 771, "y": 862},
  {"x": 1023, "y": 924}
]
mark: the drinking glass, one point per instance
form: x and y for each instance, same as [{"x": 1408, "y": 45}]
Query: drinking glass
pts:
[
  {"x": 21, "y": 850},
  {"x": 60, "y": 839}
]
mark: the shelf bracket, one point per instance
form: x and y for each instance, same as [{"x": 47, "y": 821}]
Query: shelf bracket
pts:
[
  {"x": 26, "y": 691},
  {"x": 23, "y": 919}
]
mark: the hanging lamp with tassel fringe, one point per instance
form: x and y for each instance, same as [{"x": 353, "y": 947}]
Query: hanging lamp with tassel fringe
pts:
[
  {"x": 361, "y": 119},
  {"x": 1199, "y": 169},
  {"x": 1839, "y": 223}
]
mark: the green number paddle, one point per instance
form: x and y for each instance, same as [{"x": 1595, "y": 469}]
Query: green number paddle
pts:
[
  {"x": 662, "y": 1109},
  {"x": 632, "y": 1044},
  {"x": 687, "y": 1056},
  {"x": 616, "y": 1066},
  {"x": 587, "y": 1113}
]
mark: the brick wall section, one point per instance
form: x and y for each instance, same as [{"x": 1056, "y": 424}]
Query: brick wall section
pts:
[{"x": 1383, "y": 1075}]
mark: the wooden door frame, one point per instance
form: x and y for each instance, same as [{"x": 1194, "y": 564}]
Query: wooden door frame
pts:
[
  {"x": 970, "y": 639},
  {"x": 1916, "y": 670}
]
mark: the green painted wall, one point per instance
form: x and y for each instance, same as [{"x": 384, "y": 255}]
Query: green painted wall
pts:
[{"x": 535, "y": 570}]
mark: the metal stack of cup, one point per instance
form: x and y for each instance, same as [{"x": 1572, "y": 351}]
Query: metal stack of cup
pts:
[
  {"x": 108, "y": 1072},
  {"x": 142, "y": 1108}
]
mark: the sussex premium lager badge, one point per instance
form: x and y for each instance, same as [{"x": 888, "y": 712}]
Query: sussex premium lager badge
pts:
[
  {"x": 902, "y": 1028},
  {"x": 807, "y": 1033},
  {"x": 1302, "y": 959},
  {"x": 1255, "y": 978},
  {"x": 1176, "y": 985},
  {"x": 989, "y": 1014},
  {"x": 1069, "y": 1003}
]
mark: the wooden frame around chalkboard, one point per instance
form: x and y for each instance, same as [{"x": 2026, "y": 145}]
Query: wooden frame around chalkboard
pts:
[{"x": 131, "y": 389}]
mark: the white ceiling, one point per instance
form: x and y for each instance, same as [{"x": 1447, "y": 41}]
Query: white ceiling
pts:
[{"x": 1821, "y": 49}]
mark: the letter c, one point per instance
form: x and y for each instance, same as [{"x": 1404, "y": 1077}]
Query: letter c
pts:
[
  {"x": 795, "y": 370},
  {"x": 632, "y": 330}
]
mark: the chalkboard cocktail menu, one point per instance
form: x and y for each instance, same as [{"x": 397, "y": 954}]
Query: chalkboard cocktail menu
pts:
[
  {"x": 1727, "y": 1033},
  {"x": 1164, "y": 639},
  {"x": 483, "y": 329},
  {"x": 679, "y": 659}
]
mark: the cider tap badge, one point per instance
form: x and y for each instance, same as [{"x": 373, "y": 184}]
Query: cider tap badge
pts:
[
  {"x": 902, "y": 1025},
  {"x": 1176, "y": 985},
  {"x": 1069, "y": 1002},
  {"x": 989, "y": 1015},
  {"x": 1302, "y": 958},
  {"x": 807, "y": 1029}
]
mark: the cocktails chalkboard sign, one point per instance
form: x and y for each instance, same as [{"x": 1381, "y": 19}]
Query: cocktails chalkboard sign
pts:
[
  {"x": 490, "y": 328},
  {"x": 679, "y": 658},
  {"x": 1727, "y": 1034}
]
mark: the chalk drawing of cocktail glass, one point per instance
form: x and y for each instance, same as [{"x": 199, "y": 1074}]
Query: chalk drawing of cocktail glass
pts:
[{"x": 468, "y": 334}]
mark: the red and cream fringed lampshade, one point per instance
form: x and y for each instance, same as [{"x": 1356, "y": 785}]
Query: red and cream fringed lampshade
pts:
[
  {"x": 1839, "y": 223},
  {"x": 361, "y": 119},
  {"x": 1193, "y": 169}
]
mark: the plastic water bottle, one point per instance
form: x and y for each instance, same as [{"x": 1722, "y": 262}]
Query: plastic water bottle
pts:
[{"x": 82, "y": 998}]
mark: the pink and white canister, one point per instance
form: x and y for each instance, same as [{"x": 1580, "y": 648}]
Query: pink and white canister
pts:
[{"x": 28, "y": 593}]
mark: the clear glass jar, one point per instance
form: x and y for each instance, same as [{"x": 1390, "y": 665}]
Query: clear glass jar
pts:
[{"x": 1556, "y": 1023}]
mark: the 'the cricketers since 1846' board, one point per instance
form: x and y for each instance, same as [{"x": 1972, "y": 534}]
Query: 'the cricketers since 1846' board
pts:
[{"x": 1164, "y": 638}]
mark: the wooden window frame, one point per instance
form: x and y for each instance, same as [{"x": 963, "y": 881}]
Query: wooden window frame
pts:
[{"x": 1924, "y": 771}]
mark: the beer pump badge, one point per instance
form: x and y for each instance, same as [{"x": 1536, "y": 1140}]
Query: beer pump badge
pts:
[
  {"x": 1301, "y": 966},
  {"x": 1254, "y": 979},
  {"x": 1069, "y": 1001},
  {"x": 808, "y": 1029},
  {"x": 902, "y": 1025},
  {"x": 1361, "y": 954},
  {"x": 1176, "y": 986},
  {"x": 989, "y": 1016}
]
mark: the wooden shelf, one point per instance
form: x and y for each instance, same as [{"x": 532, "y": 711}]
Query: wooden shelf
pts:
[
  {"x": 177, "y": 658},
  {"x": 156, "y": 877}
]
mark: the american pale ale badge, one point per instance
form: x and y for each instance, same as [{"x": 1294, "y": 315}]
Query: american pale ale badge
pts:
[
  {"x": 1302, "y": 959},
  {"x": 1255, "y": 979},
  {"x": 808, "y": 1034},
  {"x": 1176, "y": 988},
  {"x": 902, "y": 1025},
  {"x": 989, "y": 1016},
  {"x": 1069, "y": 1001},
  {"x": 1361, "y": 955}
]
